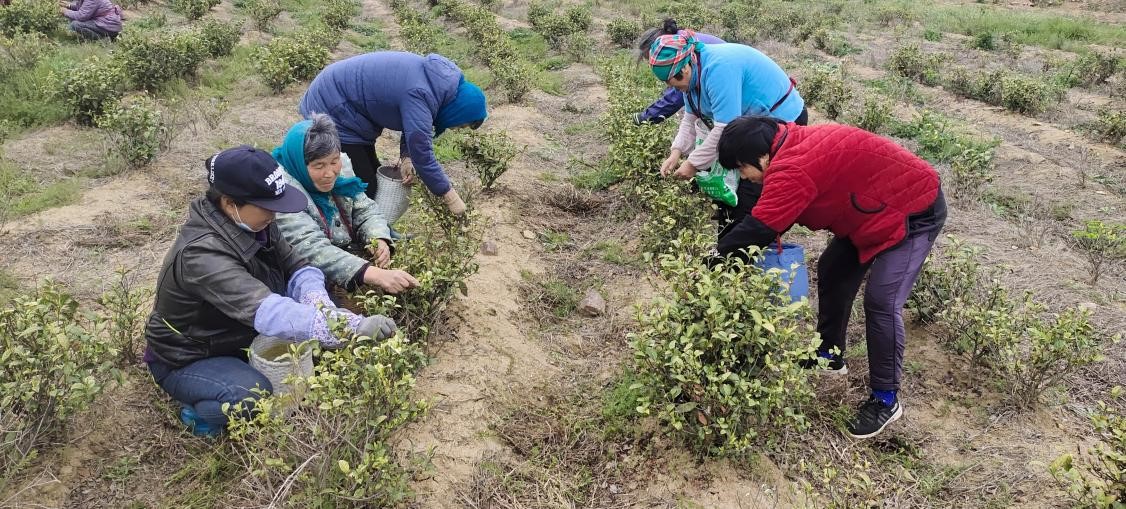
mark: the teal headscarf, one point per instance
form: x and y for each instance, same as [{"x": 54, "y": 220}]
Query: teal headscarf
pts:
[
  {"x": 291, "y": 155},
  {"x": 468, "y": 106}
]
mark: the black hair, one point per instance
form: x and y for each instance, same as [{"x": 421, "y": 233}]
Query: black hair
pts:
[
  {"x": 668, "y": 27},
  {"x": 746, "y": 139},
  {"x": 214, "y": 195}
]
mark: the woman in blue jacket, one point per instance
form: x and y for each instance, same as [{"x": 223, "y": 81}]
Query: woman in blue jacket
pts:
[
  {"x": 420, "y": 96},
  {"x": 671, "y": 100},
  {"x": 720, "y": 83}
]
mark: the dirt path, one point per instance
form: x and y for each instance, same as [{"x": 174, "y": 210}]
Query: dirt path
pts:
[{"x": 490, "y": 358}]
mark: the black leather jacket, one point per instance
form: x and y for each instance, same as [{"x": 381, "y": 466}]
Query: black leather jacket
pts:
[{"x": 213, "y": 280}]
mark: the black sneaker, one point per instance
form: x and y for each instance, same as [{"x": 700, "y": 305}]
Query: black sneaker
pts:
[
  {"x": 836, "y": 366},
  {"x": 873, "y": 417}
]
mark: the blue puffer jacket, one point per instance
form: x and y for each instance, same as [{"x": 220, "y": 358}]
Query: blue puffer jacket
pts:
[{"x": 368, "y": 93}]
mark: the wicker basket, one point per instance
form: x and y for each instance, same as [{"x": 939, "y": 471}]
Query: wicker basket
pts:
[
  {"x": 391, "y": 196},
  {"x": 276, "y": 371}
]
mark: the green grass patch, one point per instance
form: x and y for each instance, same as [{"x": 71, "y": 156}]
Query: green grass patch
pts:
[
  {"x": 619, "y": 407},
  {"x": 612, "y": 251},
  {"x": 555, "y": 241},
  {"x": 596, "y": 178},
  {"x": 226, "y": 75},
  {"x": 368, "y": 35},
  {"x": 27, "y": 95},
  {"x": 530, "y": 45},
  {"x": 446, "y": 147},
  {"x": 550, "y": 82},
  {"x": 1045, "y": 29}
]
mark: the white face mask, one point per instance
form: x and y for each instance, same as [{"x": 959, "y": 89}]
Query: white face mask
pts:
[{"x": 245, "y": 227}]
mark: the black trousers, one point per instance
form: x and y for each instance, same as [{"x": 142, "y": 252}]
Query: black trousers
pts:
[{"x": 364, "y": 162}]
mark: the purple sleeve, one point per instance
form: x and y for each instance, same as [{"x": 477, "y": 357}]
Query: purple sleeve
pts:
[
  {"x": 308, "y": 280},
  {"x": 670, "y": 102},
  {"x": 85, "y": 12}
]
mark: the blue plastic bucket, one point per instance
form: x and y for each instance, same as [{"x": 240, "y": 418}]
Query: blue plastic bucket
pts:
[{"x": 796, "y": 279}]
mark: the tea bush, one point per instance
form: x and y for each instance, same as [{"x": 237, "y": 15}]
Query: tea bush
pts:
[
  {"x": 558, "y": 28},
  {"x": 53, "y": 363},
  {"x": 1110, "y": 126},
  {"x": 832, "y": 43},
  {"x": 420, "y": 35},
  {"x": 636, "y": 151},
  {"x": 441, "y": 256},
  {"x": 950, "y": 274},
  {"x": 677, "y": 212},
  {"x": 1102, "y": 483},
  {"x": 1092, "y": 68},
  {"x": 24, "y": 50},
  {"x": 493, "y": 46},
  {"x": 91, "y": 87},
  {"x": 1050, "y": 351},
  {"x": 1103, "y": 244},
  {"x": 488, "y": 154},
  {"x": 193, "y": 9},
  {"x": 154, "y": 58},
  {"x": 1026, "y": 95},
  {"x": 135, "y": 130},
  {"x": 338, "y": 14},
  {"x": 939, "y": 141},
  {"x": 717, "y": 357},
  {"x": 262, "y": 12},
  {"x": 123, "y": 310},
  {"x": 970, "y": 171},
  {"x": 826, "y": 88},
  {"x": 287, "y": 60},
  {"x": 623, "y": 31},
  {"x": 219, "y": 38},
  {"x": 874, "y": 115},
  {"x": 334, "y": 447},
  {"x": 910, "y": 62},
  {"x": 30, "y": 16},
  {"x": 986, "y": 320}
]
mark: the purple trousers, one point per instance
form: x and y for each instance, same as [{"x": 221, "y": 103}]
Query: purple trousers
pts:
[{"x": 891, "y": 274}]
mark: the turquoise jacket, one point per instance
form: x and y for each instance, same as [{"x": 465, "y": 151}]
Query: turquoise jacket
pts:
[{"x": 740, "y": 80}]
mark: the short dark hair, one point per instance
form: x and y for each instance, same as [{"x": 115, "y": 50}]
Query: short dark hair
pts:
[
  {"x": 215, "y": 196},
  {"x": 746, "y": 139},
  {"x": 668, "y": 27}
]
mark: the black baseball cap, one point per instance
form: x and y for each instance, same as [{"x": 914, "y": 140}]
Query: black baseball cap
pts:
[{"x": 253, "y": 176}]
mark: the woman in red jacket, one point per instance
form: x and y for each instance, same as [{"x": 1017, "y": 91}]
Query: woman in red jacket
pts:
[{"x": 884, "y": 206}]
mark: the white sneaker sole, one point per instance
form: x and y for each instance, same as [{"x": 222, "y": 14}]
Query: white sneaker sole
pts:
[
  {"x": 894, "y": 417},
  {"x": 835, "y": 372}
]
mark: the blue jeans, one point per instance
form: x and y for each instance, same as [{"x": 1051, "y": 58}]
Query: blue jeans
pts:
[{"x": 208, "y": 383}]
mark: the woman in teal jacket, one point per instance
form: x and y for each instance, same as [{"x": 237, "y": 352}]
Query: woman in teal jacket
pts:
[{"x": 720, "y": 82}]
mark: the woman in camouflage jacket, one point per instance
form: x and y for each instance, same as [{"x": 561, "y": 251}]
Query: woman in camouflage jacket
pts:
[{"x": 340, "y": 220}]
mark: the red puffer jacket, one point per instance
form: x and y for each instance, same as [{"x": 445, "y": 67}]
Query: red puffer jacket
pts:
[{"x": 846, "y": 180}]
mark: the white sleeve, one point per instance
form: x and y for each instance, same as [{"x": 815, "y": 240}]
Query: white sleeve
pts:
[
  {"x": 708, "y": 151},
  {"x": 685, "y": 139}
]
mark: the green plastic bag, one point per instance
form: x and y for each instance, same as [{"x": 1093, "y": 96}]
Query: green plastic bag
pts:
[{"x": 717, "y": 182}]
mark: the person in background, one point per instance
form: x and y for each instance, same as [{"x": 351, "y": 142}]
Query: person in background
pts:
[
  {"x": 93, "y": 19},
  {"x": 885, "y": 208},
  {"x": 229, "y": 277},
  {"x": 672, "y": 100},
  {"x": 420, "y": 96},
  {"x": 340, "y": 219}
]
